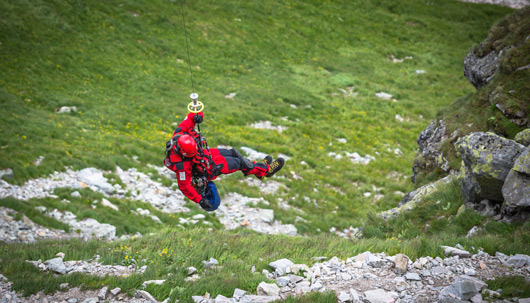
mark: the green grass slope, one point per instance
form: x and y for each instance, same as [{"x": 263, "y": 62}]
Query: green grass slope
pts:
[{"x": 124, "y": 66}]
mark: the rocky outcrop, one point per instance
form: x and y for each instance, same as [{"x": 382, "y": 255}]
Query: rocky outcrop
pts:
[
  {"x": 480, "y": 70},
  {"x": 430, "y": 141},
  {"x": 486, "y": 161}
]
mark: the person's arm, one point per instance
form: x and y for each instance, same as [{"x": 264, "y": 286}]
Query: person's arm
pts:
[
  {"x": 188, "y": 123},
  {"x": 184, "y": 183}
]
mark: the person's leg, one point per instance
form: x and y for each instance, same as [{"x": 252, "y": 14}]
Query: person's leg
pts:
[{"x": 235, "y": 161}]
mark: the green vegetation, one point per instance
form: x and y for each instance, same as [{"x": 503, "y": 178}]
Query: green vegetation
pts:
[
  {"x": 171, "y": 251},
  {"x": 124, "y": 66},
  {"x": 509, "y": 89},
  {"x": 515, "y": 286}
]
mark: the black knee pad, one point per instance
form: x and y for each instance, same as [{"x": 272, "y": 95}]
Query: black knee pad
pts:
[{"x": 246, "y": 164}]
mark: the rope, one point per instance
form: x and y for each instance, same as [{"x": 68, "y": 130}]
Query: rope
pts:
[{"x": 187, "y": 46}]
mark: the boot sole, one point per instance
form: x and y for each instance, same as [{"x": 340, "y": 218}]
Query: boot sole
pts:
[{"x": 282, "y": 162}]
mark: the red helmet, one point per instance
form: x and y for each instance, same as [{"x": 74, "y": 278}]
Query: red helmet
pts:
[{"x": 187, "y": 145}]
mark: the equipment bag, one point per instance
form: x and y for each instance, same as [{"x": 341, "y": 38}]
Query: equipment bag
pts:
[{"x": 212, "y": 194}]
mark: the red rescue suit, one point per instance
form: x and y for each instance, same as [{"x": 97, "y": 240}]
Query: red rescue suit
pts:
[{"x": 228, "y": 160}]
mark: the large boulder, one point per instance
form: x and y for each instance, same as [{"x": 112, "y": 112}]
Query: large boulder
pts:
[
  {"x": 480, "y": 70},
  {"x": 516, "y": 189},
  {"x": 486, "y": 161}
]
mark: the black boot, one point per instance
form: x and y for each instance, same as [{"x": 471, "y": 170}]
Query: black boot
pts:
[
  {"x": 275, "y": 166},
  {"x": 267, "y": 160}
]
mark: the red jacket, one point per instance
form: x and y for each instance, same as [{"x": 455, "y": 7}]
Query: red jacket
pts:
[{"x": 185, "y": 166}]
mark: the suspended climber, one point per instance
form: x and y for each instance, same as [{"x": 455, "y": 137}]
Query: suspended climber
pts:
[{"x": 196, "y": 165}]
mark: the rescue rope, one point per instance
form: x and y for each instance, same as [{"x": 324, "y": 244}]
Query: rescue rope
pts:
[{"x": 187, "y": 46}]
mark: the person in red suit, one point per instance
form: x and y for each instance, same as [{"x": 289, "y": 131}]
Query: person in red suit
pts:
[{"x": 188, "y": 157}]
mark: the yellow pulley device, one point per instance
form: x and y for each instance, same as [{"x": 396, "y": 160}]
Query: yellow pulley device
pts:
[{"x": 195, "y": 105}]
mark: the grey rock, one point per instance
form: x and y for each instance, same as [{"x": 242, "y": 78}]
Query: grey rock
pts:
[
  {"x": 429, "y": 142},
  {"x": 210, "y": 263},
  {"x": 479, "y": 284},
  {"x": 7, "y": 173},
  {"x": 452, "y": 251},
  {"x": 222, "y": 299},
  {"x": 460, "y": 290},
  {"x": 412, "y": 276},
  {"x": 401, "y": 262},
  {"x": 90, "y": 300},
  {"x": 470, "y": 272},
  {"x": 416, "y": 196},
  {"x": 378, "y": 296},
  {"x": 355, "y": 297},
  {"x": 115, "y": 291},
  {"x": 156, "y": 282},
  {"x": 267, "y": 215},
  {"x": 76, "y": 194},
  {"x": 316, "y": 286},
  {"x": 476, "y": 298},
  {"x": 518, "y": 261},
  {"x": 66, "y": 109},
  {"x": 344, "y": 297},
  {"x": 516, "y": 188},
  {"x": 400, "y": 283},
  {"x": 238, "y": 293},
  {"x": 487, "y": 160},
  {"x": 56, "y": 265},
  {"x": 280, "y": 266},
  {"x": 522, "y": 163},
  {"x": 488, "y": 208},
  {"x": 473, "y": 231},
  {"x": 95, "y": 179},
  {"x": 90, "y": 228},
  {"x": 523, "y": 137},
  {"x": 147, "y": 296},
  {"x": 191, "y": 270},
  {"x": 72, "y": 300},
  {"x": 479, "y": 71},
  {"x": 198, "y": 299},
  {"x": 283, "y": 281},
  {"x": 265, "y": 289},
  {"x": 373, "y": 260},
  {"x": 102, "y": 294}
]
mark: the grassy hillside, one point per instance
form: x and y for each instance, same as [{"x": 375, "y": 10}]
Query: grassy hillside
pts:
[{"x": 124, "y": 66}]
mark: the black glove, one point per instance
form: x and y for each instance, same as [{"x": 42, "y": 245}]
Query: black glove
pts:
[
  {"x": 206, "y": 204},
  {"x": 197, "y": 118}
]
